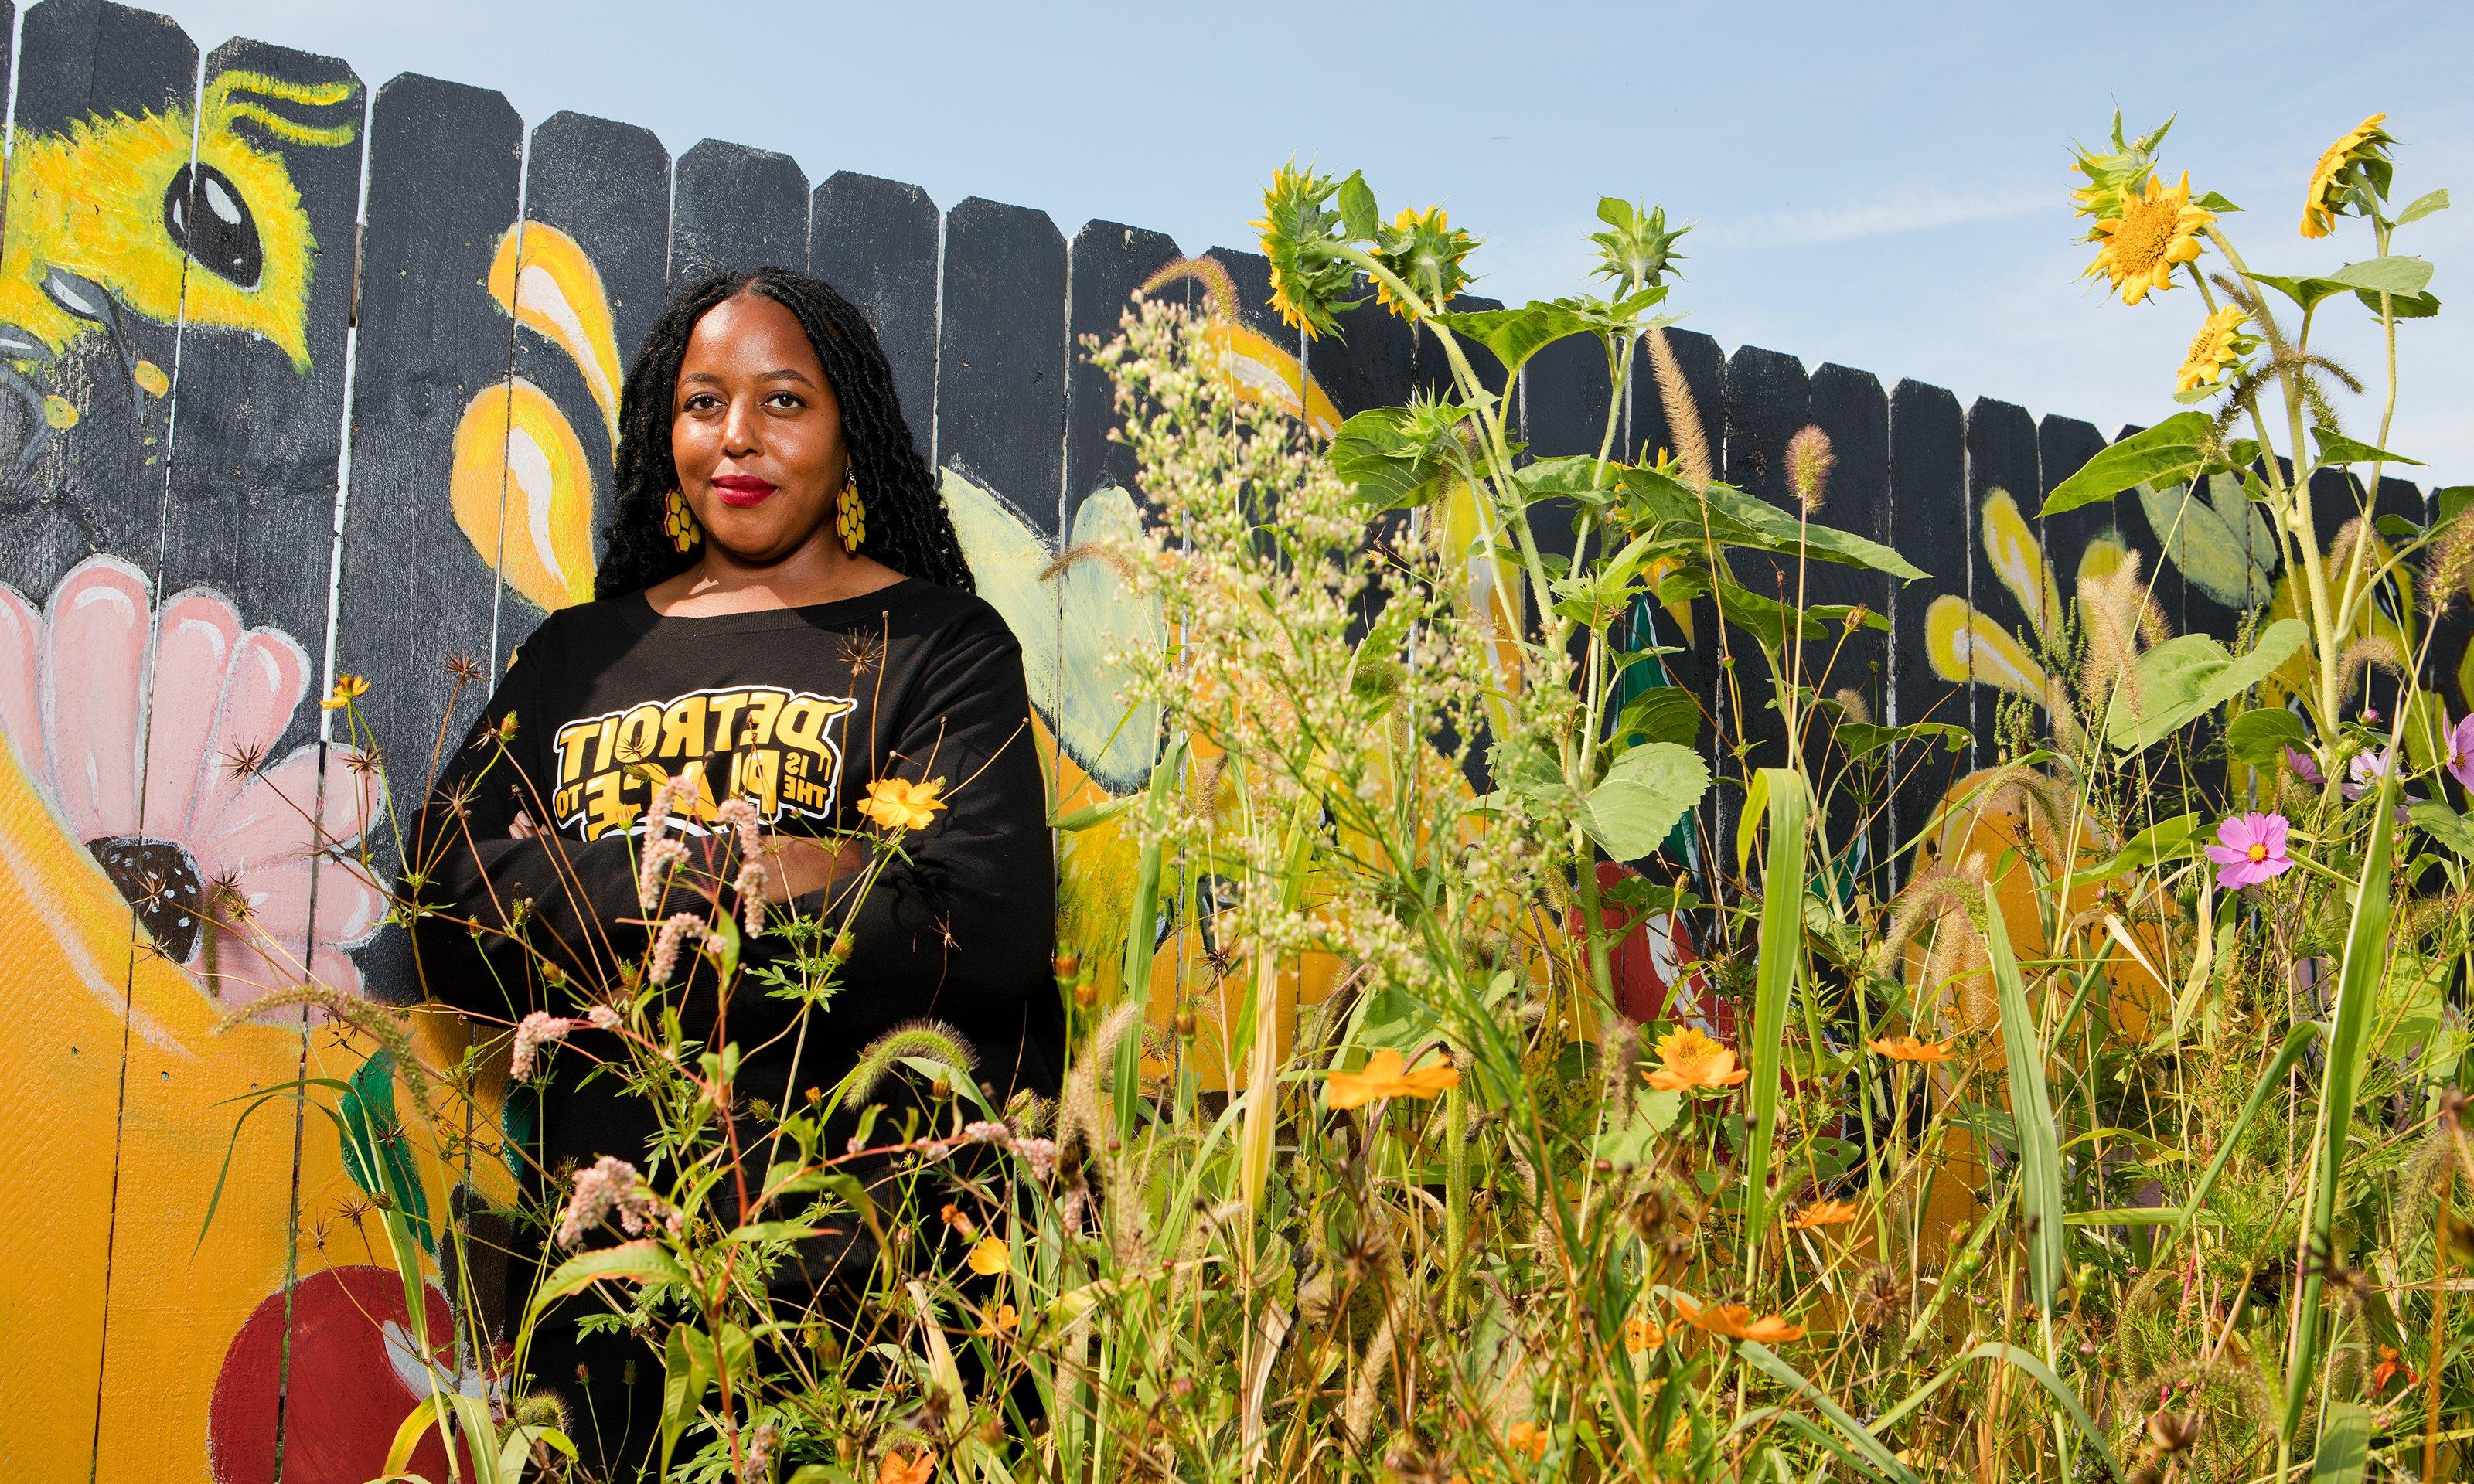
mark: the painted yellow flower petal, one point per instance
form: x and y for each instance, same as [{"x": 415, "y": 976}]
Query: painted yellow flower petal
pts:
[
  {"x": 60, "y": 412},
  {"x": 2018, "y": 557},
  {"x": 1964, "y": 645},
  {"x": 521, "y": 491},
  {"x": 547, "y": 280}
]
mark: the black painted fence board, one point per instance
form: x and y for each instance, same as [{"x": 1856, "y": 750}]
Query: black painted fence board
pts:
[
  {"x": 1928, "y": 526},
  {"x": 2002, "y": 466},
  {"x": 444, "y": 164},
  {"x": 875, "y": 241},
  {"x": 736, "y": 207},
  {"x": 1001, "y": 356}
]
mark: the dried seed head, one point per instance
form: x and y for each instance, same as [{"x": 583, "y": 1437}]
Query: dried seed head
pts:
[{"x": 1808, "y": 463}]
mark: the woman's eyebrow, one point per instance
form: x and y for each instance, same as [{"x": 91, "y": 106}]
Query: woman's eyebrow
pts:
[{"x": 784, "y": 373}]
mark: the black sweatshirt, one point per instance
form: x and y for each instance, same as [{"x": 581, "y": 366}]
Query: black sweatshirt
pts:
[{"x": 797, "y": 710}]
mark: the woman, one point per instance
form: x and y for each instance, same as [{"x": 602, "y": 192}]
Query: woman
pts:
[{"x": 784, "y": 615}]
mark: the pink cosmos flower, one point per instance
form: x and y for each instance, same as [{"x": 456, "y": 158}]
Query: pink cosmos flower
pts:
[
  {"x": 2460, "y": 752},
  {"x": 152, "y": 734},
  {"x": 2366, "y": 771},
  {"x": 2251, "y": 849},
  {"x": 2304, "y": 767}
]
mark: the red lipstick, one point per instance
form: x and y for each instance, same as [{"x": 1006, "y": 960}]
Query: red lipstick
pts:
[{"x": 743, "y": 490}]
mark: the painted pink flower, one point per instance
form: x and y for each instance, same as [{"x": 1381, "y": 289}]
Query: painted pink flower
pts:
[
  {"x": 152, "y": 735},
  {"x": 2366, "y": 771},
  {"x": 2460, "y": 752},
  {"x": 2304, "y": 767},
  {"x": 2251, "y": 849}
]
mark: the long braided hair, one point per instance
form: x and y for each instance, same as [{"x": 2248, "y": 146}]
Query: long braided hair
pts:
[{"x": 909, "y": 528}]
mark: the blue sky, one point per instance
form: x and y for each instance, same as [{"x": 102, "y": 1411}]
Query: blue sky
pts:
[{"x": 1883, "y": 186}]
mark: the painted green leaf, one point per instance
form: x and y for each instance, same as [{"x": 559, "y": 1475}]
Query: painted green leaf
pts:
[{"x": 2221, "y": 544}]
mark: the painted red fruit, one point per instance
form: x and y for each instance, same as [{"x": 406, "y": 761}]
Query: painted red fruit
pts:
[{"x": 350, "y": 1387}]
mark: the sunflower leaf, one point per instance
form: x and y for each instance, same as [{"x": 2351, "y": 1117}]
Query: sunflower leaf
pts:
[
  {"x": 2303, "y": 291},
  {"x": 2170, "y": 452},
  {"x": 2392, "y": 275},
  {"x": 2424, "y": 205},
  {"x": 2257, "y": 735},
  {"x": 2336, "y": 447},
  {"x": 1514, "y": 335},
  {"x": 1358, "y": 216},
  {"x": 1646, "y": 790}
]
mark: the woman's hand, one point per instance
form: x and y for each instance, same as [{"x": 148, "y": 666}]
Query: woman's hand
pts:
[{"x": 802, "y": 865}]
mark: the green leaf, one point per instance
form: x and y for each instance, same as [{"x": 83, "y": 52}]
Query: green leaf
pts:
[
  {"x": 2424, "y": 205},
  {"x": 2172, "y": 839},
  {"x": 639, "y": 1262},
  {"x": 2260, "y": 735},
  {"x": 2031, "y": 1108},
  {"x": 2305, "y": 291},
  {"x": 2402, "y": 306},
  {"x": 1091, "y": 815},
  {"x": 2187, "y": 677},
  {"x": 2336, "y": 447},
  {"x": 1358, "y": 216},
  {"x": 1731, "y": 518},
  {"x": 1875, "y": 1455},
  {"x": 1861, "y": 737},
  {"x": 1779, "y": 946},
  {"x": 2210, "y": 532},
  {"x": 1642, "y": 795},
  {"x": 2216, "y": 202},
  {"x": 2393, "y": 275},
  {"x": 2169, "y": 453},
  {"x": 2349, "y": 1041},
  {"x": 687, "y": 1372},
  {"x": 1662, "y": 713},
  {"x": 2446, "y": 826},
  {"x": 2297, "y": 1040},
  {"x": 377, "y": 1154},
  {"x": 2344, "y": 1445},
  {"x": 1514, "y": 335}
]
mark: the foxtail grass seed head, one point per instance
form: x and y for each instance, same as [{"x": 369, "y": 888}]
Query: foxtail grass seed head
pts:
[{"x": 1808, "y": 463}]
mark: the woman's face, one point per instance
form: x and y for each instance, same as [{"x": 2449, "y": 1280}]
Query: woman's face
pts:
[{"x": 756, "y": 432}]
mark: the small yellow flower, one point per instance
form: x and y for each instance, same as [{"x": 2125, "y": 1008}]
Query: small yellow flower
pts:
[
  {"x": 1383, "y": 1077},
  {"x": 2364, "y": 145},
  {"x": 990, "y": 1256},
  {"x": 349, "y": 688},
  {"x": 899, "y": 1467},
  {"x": 1640, "y": 1334},
  {"x": 895, "y": 805},
  {"x": 2156, "y": 232},
  {"x": 2216, "y": 349},
  {"x": 1689, "y": 1060},
  {"x": 1907, "y": 1048},
  {"x": 1822, "y": 1213},
  {"x": 1735, "y": 1322},
  {"x": 1002, "y": 1320}
]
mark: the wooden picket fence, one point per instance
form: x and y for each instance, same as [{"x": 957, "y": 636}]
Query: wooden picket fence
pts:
[{"x": 306, "y": 378}]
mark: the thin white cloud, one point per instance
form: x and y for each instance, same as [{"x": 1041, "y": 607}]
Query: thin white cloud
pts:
[{"x": 1907, "y": 209}]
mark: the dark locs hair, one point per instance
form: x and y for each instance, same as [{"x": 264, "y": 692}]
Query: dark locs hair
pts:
[{"x": 909, "y": 528}]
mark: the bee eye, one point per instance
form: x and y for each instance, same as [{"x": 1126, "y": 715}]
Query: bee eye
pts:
[{"x": 206, "y": 218}]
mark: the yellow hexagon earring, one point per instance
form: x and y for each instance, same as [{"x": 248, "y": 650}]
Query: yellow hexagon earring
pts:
[
  {"x": 679, "y": 522},
  {"x": 850, "y": 514}
]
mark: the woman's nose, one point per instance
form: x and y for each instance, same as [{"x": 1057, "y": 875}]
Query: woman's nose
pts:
[{"x": 739, "y": 429}]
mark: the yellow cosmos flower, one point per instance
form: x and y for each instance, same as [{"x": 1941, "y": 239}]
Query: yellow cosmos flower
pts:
[
  {"x": 1527, "y": 1437},
  {"x": 990, "y": 1256},
  {"x": 1383, "y": 1077},
  {"x": 894, "y": 804},
  {"x": 2216, "y": 349},
  {"x": 1735, "y": 1322},
  {"x": 1822, "y": 1213},
  {"x": 2365, "y": 144},
  {"x": 349, "y": 688},
  {"x": 1640, "y": 1334},
  {"x": 2156, "y": 232},
  {"x": 1004, "y": 1319},
  {"x": 1688, "y": 1059},
  {"x": 1907, "y": 1048},
  {"x": 898, "y": 1466}
]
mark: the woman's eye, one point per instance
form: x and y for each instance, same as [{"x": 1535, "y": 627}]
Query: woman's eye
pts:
[
  {"x": 702, "y": 401},
  {"x": 787, "y": 402}
]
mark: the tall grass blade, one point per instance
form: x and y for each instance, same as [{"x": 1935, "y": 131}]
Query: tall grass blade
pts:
[
  {"x": 1782, "y": 952},
  {"x": 2031, "y": 1109},
  {"x": 2344, "y": 1445},
  {"x": 2297, "y": 1040},
  {"x": 2349, "y": 1044},
  {"x": 1876, "y": 1454}
]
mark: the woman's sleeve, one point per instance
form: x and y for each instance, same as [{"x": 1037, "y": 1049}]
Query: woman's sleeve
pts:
[
  {"x": 495, "y": 906},
  {"x": 961, "y": 926}
]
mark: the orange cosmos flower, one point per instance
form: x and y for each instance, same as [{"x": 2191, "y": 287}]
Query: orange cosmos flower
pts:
[
  {"x": 1688, "y": 1059},
  {"x": 1907, "y": 1048},
  {"x": 899, "y": 1467},
  {"x": 1822, "y": 1213},
  {"x": 1526, "y": 1437},
  {"x": 895, "y": 805},
  {"x": 1639, "y": 1334},
  {"x": 1735, "y": 1322},
  {"x": 1383, "y": 1077}
]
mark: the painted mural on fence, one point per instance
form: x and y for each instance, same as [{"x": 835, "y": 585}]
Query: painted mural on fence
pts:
[{"x": 175, "y": 841}]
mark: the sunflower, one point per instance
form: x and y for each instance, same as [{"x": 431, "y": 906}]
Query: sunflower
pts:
[
  {"x": 2113, "y": 177},
  {"x": 2216, "y": 349},
  {"x": 1299, "y": 231},
  {"x": 1425, "y": 251},
  {"x": 2155, "y": 231},
  {"x": 2359, "y": 158}
]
